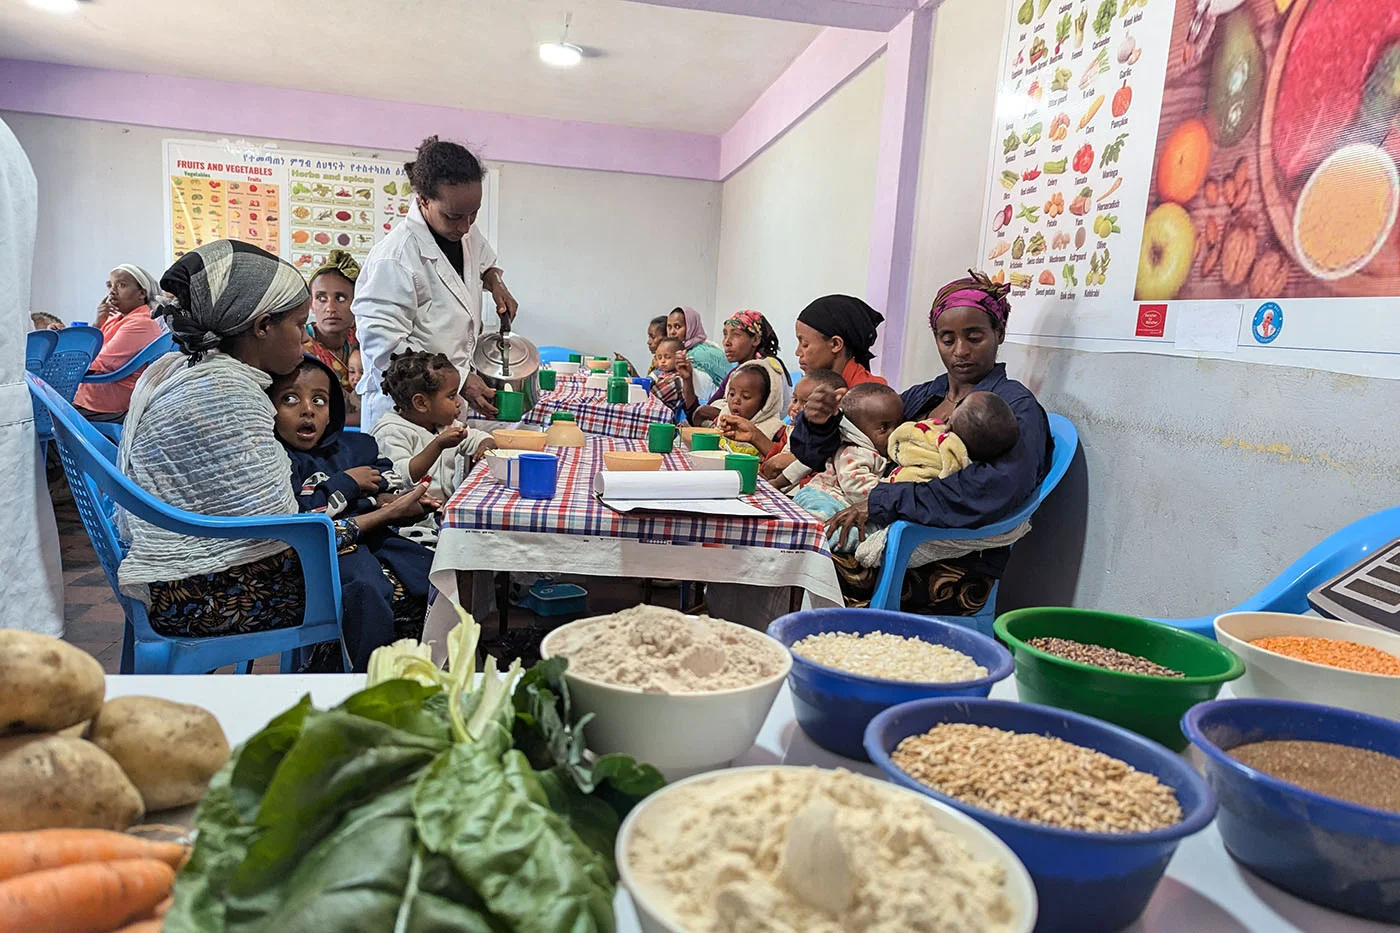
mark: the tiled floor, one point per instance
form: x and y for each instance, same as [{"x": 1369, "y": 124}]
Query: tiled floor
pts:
[{"x": 94, "y": 618}]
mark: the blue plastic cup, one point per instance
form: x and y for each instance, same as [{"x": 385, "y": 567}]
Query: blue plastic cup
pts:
[{"x": 538, "y": 475}]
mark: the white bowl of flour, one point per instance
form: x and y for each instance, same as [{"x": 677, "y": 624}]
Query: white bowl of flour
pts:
[
  {"x": 820, "y": 851},
  {"x": 684, "y": 693}
]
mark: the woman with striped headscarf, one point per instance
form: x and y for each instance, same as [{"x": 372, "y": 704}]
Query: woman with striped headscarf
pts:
[
  {"x": 968, "y": 319},
  {"x": 200, "y": 436}
]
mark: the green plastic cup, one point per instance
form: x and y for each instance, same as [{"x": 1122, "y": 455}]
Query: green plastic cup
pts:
[
  {"x": 547, "y": 379},
  {"x": 661, "y": 437},
  {"x": 704, "y": 440},
  {"x": 561, "y": 416},
  {"x": 510, "y": 405},
  {"x": 747, "y": 466},
  {"x": 617, "y": 390},
  {"x": 619, "y": 368},
  {"x": 576, "y": 358},
  {"x": 1148, "y": 705}
]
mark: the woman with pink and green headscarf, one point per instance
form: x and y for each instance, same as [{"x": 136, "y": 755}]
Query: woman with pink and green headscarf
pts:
[
  {"x": 968, "y": 319},
  {"x": 747, "y": 336}
]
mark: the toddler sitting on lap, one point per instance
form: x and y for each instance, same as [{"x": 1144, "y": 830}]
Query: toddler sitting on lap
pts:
[
  {"x": 750, "y": 416},
  {"x": 383, "y": 577},
  {"x": 872, "y": 412},
  {"x": 421, "y": 435},
  {"x": 667, "y": 385}
]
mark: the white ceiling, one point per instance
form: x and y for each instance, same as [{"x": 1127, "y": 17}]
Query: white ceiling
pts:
[{"x": 657, "y": 67}]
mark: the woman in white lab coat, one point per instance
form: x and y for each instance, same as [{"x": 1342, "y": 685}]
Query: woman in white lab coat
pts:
[{"x": 421, "y": 286}]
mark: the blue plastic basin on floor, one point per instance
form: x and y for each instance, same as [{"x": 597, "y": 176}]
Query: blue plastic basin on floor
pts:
[{"x": 1086, "y": 882}]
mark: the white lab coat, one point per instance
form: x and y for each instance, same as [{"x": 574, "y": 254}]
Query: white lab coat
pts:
[
  {"x": 31, "y": 588},
  {"x": 408, "y": 296}
]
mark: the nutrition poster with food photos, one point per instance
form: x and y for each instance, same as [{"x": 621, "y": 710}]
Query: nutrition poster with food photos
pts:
[
  {"x": 1210, "y": 177},
  {"x": 298, "y": 205}
]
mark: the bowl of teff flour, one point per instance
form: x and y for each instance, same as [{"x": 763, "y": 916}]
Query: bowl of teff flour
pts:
[
  {"x": 685, "y": 693},
  {"x": 820, "y": 851}
]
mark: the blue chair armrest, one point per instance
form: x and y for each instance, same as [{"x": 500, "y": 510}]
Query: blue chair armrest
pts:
[
  {"x": 112, "y": 430},
  {"x": 115, "y": 375}
]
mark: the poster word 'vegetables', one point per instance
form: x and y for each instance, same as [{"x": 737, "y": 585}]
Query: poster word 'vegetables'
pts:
[{"x": 1213, "y": 175}]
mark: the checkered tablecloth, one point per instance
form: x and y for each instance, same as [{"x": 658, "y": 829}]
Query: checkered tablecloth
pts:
[
  {"x": 595, "y": 415},
  {"x": 481, "y": 504}
]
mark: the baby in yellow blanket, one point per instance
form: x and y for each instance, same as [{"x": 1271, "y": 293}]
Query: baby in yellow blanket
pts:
[{"x": 981, "y": 428}]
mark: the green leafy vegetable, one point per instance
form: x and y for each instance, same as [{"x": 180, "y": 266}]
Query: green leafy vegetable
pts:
[
  {"x": 1041, "y": 7},
  {"x": 1068, "y": 274},
  {"x": 1025, "y": 13},
  {"x": 1062, "y": 28},
  {"x": 1114, "y": 150},
  {"x": 1011, "y": 143},
  {"x": 1130, "y": 5},
  {"x": 1103, "y": 20},
  {"x": 407, "y": 808}
]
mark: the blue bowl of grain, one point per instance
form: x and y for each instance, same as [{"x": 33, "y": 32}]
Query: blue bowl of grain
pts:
[
  {"x": 834, "y": 706},
  {"x": 1323, "y": 849},
  {"x": 1086, "y": 882}
]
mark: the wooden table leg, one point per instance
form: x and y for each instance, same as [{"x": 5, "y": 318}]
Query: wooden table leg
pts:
[{"x": 794, "y": 598}]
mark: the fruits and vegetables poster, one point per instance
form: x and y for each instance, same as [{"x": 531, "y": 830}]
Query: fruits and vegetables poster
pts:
[
  {"x": 298, "y": 205},
  {"x": 1160, "y": 160}
]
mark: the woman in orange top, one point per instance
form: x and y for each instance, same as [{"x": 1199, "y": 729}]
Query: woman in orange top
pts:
[
  {"x": 836, "y": 333},
  {"x": 124, "y": 317}
]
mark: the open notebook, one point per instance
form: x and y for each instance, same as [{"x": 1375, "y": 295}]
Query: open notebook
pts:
[{"x": 700, "y": 492}]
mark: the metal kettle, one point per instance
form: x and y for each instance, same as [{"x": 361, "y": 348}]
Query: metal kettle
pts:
[{"x": 508, "y": 361}]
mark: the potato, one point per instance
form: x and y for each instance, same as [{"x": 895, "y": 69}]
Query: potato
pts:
[
  {"x": 46, "y": 684},
  {"x": 169, "y": 750},
  {"x": 53, "y": 781}
]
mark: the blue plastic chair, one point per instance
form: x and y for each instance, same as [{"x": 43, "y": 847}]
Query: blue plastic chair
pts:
[
  {"x": 97, "y": 484},
  {"x": 64, "y": 369},
  {"x": 904, "y": 536},
  {"x": 39, "y": 344},
  {"x": 1288, "y": 592},
  {"x": 555, "y": 354},
  {"x": 148, "y": 355}
]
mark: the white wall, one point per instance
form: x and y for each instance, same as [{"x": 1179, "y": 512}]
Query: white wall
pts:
[
  {"x": 795, "y": 223},
  {"x": 591, "y": 256},
  {"x": 1198, "y": 481}
]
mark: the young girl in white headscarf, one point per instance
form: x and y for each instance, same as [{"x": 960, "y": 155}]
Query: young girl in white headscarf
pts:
[
  {"x": 200, "y": 437},
  {"x": 750, "y": 416}
]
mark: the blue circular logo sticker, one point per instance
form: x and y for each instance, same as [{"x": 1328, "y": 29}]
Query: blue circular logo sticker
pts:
[{"x": 1268, "y": 322}]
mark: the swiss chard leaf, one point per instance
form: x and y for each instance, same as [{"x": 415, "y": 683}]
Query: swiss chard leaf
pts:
[
  {"x": 528, "y": 866},
  {"x": 406, "y": 705},
  {"x": 340, "y": 761}
]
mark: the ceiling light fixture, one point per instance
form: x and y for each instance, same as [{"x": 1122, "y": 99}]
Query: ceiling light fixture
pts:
[
  {"x": 56, "y": 6},
  {"x": 561, "y": 54}
]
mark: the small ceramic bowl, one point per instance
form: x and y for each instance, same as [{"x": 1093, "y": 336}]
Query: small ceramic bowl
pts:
[
  {"x": 1277, "y": 676},
  {"x": 515, "y": 439},
  {"x": 499, "y": 463},
  {"x": 633, "y": 460},
  {"x": 707, "y": 459},
  {"x": 565, "y": 368},
  {"x": 599, "y": 366}
]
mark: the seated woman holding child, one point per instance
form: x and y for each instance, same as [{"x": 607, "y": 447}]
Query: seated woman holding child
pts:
[
  {"x": 204, "y": 435},
  {"x": 968, "y": 319}
]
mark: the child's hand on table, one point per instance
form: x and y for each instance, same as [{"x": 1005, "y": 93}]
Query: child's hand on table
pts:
[
  {"x": 488, "y": 444},
  {"x": 367, "y": 477}
]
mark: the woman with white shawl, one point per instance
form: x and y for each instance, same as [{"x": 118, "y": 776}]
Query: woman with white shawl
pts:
[{"x": 199, "y": 435}]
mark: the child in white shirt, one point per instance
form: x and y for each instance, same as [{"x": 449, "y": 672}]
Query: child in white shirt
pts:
[{"x": 421, "y": 435}]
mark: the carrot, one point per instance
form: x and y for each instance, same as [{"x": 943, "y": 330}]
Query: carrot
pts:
[
  {"x": 91, "y": 897},
  {"x": 41, "y": 849}
]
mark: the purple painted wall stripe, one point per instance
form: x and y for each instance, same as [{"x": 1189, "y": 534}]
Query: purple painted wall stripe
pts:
[{"x": 280, "y": 113}]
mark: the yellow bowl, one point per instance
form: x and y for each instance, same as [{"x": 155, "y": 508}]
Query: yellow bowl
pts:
[
  {"x": 512, "y": 439},
  {"x": 636, "y": 460},
  {"x": 599, "y": 366}
]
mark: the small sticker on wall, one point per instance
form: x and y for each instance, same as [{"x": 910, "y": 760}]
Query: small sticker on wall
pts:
[
  {"x": 1268, "y": 322},
  {"x": 1152, "y": 321}
]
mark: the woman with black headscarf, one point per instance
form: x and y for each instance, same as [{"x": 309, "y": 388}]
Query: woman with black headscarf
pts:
[
  {"x": 837, "y": 333},
  {"x": 968, "y": 320}
]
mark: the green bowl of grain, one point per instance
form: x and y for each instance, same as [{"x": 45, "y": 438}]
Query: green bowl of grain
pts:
[{"x": 1138, "y": 674}]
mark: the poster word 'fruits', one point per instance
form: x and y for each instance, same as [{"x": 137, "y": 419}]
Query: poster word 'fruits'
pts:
[{"x": 1214, "y": 163}]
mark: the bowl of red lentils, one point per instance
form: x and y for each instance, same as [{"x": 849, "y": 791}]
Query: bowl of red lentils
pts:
[
  {"x": 1136, "y": 673},
  {"x": 1293, "y": 657},
  {"x": 1309, "y": 798}
]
